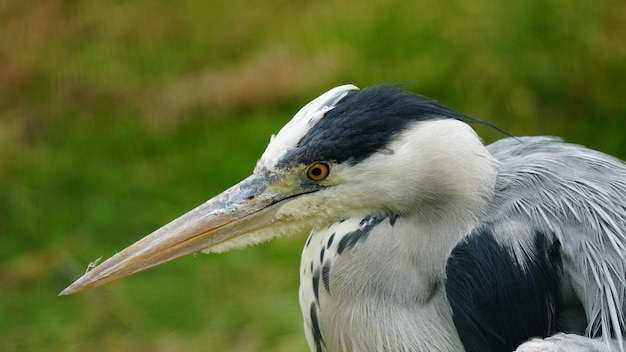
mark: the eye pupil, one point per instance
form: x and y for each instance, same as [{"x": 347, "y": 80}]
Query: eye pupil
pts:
[{"x": 318, "y": 171}]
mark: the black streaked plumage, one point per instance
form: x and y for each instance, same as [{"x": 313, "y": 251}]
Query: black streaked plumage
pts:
[
  {"x": 317, "y": 332},
  {"x": 360, "y": 234},
  {"x": 330, "y": 241},
  {"x": 326, "y": 276}
]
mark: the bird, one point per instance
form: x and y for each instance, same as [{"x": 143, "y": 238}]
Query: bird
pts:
[{"x": 421, "y": 237}]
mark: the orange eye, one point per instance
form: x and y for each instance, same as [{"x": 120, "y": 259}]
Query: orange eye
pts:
[{"x": 318, "y": 171}]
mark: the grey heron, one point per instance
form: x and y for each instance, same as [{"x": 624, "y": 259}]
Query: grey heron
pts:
[{"x": 422, "y": 238}]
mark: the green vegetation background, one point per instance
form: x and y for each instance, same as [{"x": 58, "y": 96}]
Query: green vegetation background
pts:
[{"x": 117, "y": 116}]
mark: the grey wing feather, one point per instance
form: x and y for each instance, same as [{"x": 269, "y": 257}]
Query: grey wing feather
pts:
[{"x": 578, "y": 197}]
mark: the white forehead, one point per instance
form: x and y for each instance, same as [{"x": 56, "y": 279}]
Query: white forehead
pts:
[{"x": 289, "y": 136}]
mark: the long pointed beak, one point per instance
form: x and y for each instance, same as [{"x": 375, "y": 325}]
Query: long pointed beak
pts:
[{"x": 240, "y": 210}]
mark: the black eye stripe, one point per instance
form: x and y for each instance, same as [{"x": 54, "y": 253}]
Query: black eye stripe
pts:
[{"x": 363, "y": 123}]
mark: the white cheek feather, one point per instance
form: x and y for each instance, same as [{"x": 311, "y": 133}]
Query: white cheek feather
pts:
[
  {"x": 436, "y": 164},
  {"x": 288, "y": 137}
]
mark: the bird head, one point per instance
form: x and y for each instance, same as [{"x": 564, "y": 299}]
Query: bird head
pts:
[{"x": 347, "y": 153}]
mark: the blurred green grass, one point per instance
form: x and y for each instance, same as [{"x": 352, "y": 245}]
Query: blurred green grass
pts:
[{"x": 116, "y": 117}]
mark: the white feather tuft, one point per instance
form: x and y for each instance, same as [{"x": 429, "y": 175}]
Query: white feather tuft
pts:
[{"x": 302, "y": 122}]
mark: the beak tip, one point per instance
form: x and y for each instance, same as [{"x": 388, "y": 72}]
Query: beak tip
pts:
[
  {"x": 83, "y": 283},
  {"x": 75, "y": 287}
]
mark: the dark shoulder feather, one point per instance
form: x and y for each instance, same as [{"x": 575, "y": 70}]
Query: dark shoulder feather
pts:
[{"x": 497, "y": 304}]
